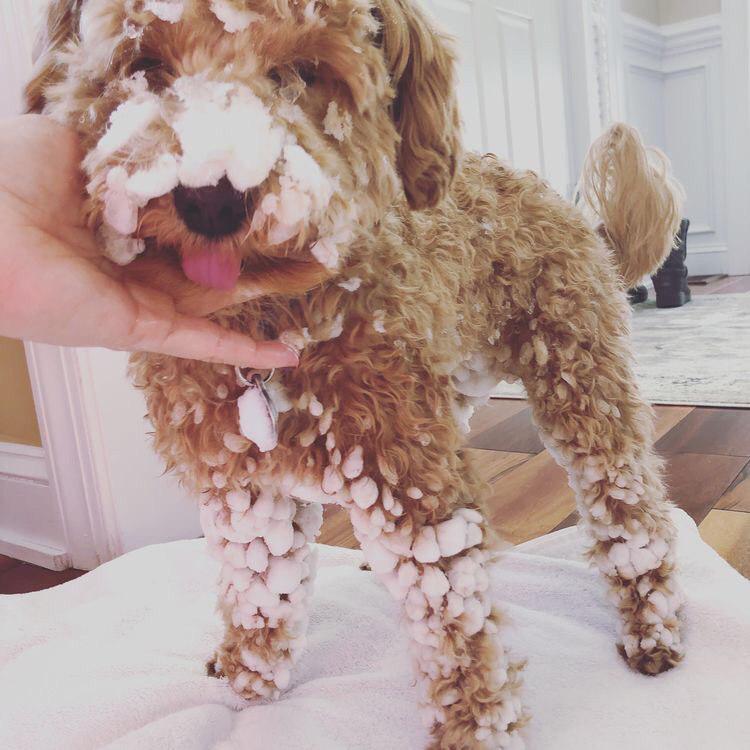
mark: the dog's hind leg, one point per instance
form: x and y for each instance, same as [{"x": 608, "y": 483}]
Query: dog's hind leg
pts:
[
  {"x": 267, "y": 569},
  {"x": 435, "y": 564},
  {"x": 572, "y": 351}
]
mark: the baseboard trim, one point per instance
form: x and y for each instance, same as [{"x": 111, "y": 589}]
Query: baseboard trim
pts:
[
  {"x": 25, "y": 462},
  {"x": 34, "y": 552},
  {"x": 707, "y": 259}
]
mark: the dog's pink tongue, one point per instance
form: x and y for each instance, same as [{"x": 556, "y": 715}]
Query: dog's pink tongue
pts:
[{"x": 214, "y": 268}]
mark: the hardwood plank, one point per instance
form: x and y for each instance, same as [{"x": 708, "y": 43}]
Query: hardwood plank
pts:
[
  {"x": 710, "y": 430},
  {"x": 516, "y": 434},
  {"x": 337, "y": 529},
  {"x": 493, "y": 413},
  {"x": 728, "y": 532},
  {"x": 530, "y": 500},
  {"x": 24, "y": 578},
  {"x": 570, "y": 520},
  {"x": 728, "y": 285},
  {"x": 668, "y": 417},
  {"x": 6, "y": 563},
  {"x": 492, "y": 464},
  {"x": 696, "y": 481},
  {"x": 737, "y": 496}
]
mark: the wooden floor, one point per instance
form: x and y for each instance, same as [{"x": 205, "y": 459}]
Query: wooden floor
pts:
[{"x": 707, "y": 454}]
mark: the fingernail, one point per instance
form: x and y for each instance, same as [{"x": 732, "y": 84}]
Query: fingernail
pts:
[{"x": 279, "y": 354}]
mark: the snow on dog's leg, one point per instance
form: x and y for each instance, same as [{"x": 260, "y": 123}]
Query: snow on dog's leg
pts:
[
  {"x": 469, "y": 690},
  {"x": 574, "y": 357},
  {"x": 266, "y": 577}
]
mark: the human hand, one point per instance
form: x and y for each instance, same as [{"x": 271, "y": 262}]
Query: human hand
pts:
[{"x": 57, "y": 288}]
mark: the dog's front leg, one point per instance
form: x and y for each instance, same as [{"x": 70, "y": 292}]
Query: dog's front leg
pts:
[
  {"x": 394, "y": 457},
  {"x": 575, "y": 361},
  {"x": 435, "y": 565},
  {"x": 261, "y": 539}
]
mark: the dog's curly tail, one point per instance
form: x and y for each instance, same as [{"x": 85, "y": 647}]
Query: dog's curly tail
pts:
[{"x": 629, "y": 191}]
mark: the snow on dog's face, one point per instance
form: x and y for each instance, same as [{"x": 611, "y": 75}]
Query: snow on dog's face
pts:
[{"x": 249, "y": 136}]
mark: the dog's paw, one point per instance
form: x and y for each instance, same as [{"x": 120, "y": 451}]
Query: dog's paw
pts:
[
  {"x": 651, "y": 662},
  {"x": 212, "y": 667},
  {"x": 471, "y": 736},
  {"x": 480, "y": 713}
]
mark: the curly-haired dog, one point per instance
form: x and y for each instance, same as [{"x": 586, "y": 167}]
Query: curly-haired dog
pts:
[{"x": 306, "y": 156}]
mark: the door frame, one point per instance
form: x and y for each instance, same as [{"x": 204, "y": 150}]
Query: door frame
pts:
[
  {"x": 76, "y": 471},
  {"x": 591, "y": 32},
  {"x": 735, "y": 21}
]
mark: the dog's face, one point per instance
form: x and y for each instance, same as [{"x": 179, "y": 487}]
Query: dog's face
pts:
[{"x": 243, "y": 136}]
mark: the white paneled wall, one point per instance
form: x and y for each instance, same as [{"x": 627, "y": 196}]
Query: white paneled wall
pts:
[
  {"x": 18, "y": 23},
  {"x": 673, "y": 94},
  {"x": 510, "y": 83}
]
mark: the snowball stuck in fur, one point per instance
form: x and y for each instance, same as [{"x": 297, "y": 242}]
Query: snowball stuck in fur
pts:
[
  {"x": 126, "y": 194},
  {"x": 451, "y": 536},
  {"x": 120, "y": 211},
  {"x": 256, "y": 557},
  {"x": 381, "y": 560},
  {"x": 352, "y": 284},
  {"x": 130, "y": 119},
  {"x": 364, "y": 492},
  {"x": 158, "y": 179},
  {"x": 166, "y": 10},
  {"x": 425, "y": 547},
  {"x": 304, "y": 192},
  {"x": 119, "y": 249},
  {"x": 234, "y": 17},
  {"x": 283, "y": 576},
  {"x": 434, "y": 582},
  {"x": 353, "y": 463},
  {"x": 210, "y": 107},
  {"x": 279, "y": 537},
  {"x": 337, "y": 124}
]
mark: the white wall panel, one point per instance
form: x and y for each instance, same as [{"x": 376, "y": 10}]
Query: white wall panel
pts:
[
  {"x": 645, "y": 92},
  {"x": 510, "y": 81},
  {"x": 688, "y": 125},
  {"x": 457, "y": 16},
  {"x": 673, "y": 82}
]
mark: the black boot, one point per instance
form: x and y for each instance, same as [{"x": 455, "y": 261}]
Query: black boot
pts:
[
  {"x": 637, "y": 294},
  {"x": 670, "y": 281}
]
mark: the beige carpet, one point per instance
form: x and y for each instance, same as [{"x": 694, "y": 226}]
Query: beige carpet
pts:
[{"x": 698, "y": 354}]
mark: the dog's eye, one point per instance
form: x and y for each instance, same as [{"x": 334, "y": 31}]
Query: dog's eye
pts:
[
  {"x": 156, "y": 71},
  {"x": 307, "y": 72},
  {"x": 301, "y": 71},
  {"x": 275, "y": 76},
  {"x": 145, "y": 64}
]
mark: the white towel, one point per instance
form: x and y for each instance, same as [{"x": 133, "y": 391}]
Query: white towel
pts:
[{"x": 116, "y": 659}]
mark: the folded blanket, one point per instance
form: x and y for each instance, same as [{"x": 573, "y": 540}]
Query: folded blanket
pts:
[{"x": 116, "y": 659}]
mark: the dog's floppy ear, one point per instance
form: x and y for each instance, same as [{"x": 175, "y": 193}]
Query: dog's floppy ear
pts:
[
  {"x": 59, "y": 24},
  {"x": 421, "y": 63}
]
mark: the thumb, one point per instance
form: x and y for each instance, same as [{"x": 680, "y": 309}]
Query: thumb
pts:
[{"x": 197, "y": 338}]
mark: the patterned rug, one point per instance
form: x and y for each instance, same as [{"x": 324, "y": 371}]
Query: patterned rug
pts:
[{"x": 698, "y": 354}]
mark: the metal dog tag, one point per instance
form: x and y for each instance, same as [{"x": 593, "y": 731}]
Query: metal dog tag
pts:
[{"x": 258, "y": 418}]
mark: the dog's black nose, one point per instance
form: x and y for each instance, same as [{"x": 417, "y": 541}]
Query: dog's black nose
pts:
[{"x": 213, "y": 211}]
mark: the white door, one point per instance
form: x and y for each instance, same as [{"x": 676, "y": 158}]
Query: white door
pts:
[{"x": 511, "y": 81}]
